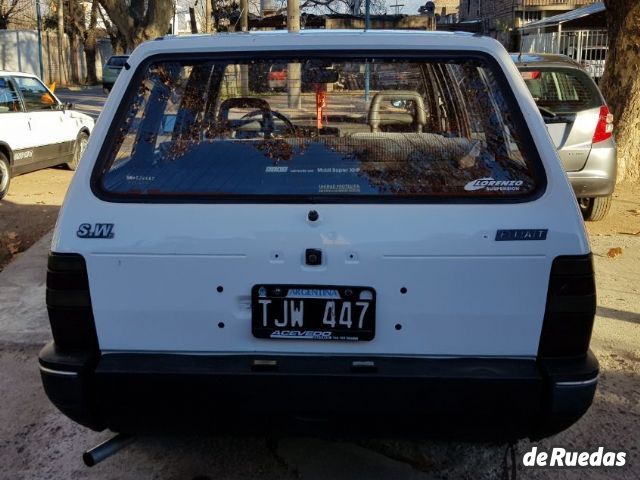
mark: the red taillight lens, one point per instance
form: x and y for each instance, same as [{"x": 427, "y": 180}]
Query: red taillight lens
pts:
[
  {"x": 604, "y": 130},
  {"x": 530, "y": 75}
]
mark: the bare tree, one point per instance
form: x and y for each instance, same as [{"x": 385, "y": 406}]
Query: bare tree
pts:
[
  {"x": 118, "y": 43},
  {"x": 78, "y": 28},
  {"x": 621, "y": 83},
  {"x": 139, "y": 20},
  {"x": 90, "y": 41},
  {"x": 353, "y": 7},
  {"x": 12, "y": 11}
]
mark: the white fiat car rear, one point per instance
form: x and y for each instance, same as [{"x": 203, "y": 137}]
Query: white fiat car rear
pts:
[{"x": 388, "y": 246}]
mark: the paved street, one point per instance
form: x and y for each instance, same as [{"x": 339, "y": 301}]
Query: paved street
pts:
[
  {"x": 37, "y": 442},
  {"x": 88, "y": 100}
]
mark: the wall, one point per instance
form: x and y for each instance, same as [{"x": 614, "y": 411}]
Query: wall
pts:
[{"x": 19, "y": 52}]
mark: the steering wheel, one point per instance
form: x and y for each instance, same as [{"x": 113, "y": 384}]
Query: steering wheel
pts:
[
  {"x": 267, "y": 125},
  {"x": 262, "y": 108}
]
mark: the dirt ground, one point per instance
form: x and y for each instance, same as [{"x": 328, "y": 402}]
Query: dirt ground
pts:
[{"x": 31, "y": 208}]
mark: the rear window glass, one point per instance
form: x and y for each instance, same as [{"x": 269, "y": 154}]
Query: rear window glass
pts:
[
  {"x": 563, "y": 90},
  {"x": 322, "y": 130},
  {"x": 117, "y": 61}
]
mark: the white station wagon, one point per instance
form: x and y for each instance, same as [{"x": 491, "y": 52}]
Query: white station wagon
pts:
[
  {"x": 387, "y": 246},
  {"x": 37, "y": 130}
]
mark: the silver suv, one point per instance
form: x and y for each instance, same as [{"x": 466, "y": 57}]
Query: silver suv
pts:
[{"x": 580, "y": 126}]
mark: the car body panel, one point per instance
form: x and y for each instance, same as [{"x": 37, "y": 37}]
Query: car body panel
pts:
[{"x": 145, "y": 263}]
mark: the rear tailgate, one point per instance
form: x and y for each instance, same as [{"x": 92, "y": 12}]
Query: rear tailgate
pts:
[
  {"x": 570, "y": 104},
  {"x": 443, "y": 223},
  {"x": 466, "y": 293}
]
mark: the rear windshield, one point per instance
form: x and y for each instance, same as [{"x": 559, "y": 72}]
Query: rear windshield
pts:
[
  {"x": 562, "y": 90},
  {"x": 331, "y": 130},
  {"x": 117, "y": 61}
]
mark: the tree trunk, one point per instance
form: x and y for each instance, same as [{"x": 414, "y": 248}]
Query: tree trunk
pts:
[
  {"x": 621, "y": 83},
  {"x": 192, "y": 19},
  {"x": 72, "y": 55},
  {"x": 140, "y": 21},
  {"x": 74, "y": 43},
  {"x": 208, "y": 20},
  {"x": 90, "y": 45},
  {"x": 61, "y": 56},
  {"x": 90, "y": 58}
]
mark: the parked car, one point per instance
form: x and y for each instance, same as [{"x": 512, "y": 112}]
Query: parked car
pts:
[
  {"x": 580, "y": 124},
  {"x": 36, "y": 129},
  {"x": 229, "y": 263},
  {"x": 111, "y": 69}
]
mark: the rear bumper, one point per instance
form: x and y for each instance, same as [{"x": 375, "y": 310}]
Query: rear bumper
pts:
[
  {"x": 598, "y": 177},
  {"x": 349, "y": 396}
]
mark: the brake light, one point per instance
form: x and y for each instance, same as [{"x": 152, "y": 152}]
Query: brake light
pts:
[
  {"x": 277, "y": 75},
  {"x": 69, "y": 303},
  {"x": 571, "y": 308},
  {"x": 533, "y": 75},
  {"x": 604, "y": 129}
]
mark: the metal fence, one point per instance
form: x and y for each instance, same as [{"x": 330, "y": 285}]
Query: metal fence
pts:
[{"x": 587, "y": 47}]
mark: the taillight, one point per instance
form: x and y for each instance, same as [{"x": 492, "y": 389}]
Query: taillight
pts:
[
  {"x": 571, "y": 308},
  {"x": 604, "y": 130},
  {"x": 530, "y": 75},
  {"x": 69, "y": 303}
]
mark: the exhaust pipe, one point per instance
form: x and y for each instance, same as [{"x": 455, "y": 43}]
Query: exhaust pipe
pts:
[{"x": 95, "y": 455}]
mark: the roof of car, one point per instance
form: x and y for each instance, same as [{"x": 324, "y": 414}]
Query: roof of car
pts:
[
  {"x": 543, "y": 59},
  {"x": 17, "y": 74},
  {"x": 312, "y": 32},
  {"x": 317, "y": 40}
]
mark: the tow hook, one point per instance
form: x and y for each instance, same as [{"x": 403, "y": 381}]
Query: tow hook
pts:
[{"x": 95, "y": 455}]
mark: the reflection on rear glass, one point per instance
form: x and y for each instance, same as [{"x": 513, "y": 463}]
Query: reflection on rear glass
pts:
[{"x": 374, "y": 128}]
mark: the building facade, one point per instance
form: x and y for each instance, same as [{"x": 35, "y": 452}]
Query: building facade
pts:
[
  {"x": 502, "y": 18},
  {"x": 447, "y": 9}
]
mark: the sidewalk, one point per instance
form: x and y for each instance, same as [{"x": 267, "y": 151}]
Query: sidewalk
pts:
[{"x": 23, "y": 314}]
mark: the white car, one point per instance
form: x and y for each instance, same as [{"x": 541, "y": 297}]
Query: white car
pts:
[
  {"x": 36, "y": 129},
  {"x": 360, "y": 262}
]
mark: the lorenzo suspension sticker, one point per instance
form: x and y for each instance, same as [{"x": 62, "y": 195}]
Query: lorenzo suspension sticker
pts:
[{"x": 491, "y": 185}]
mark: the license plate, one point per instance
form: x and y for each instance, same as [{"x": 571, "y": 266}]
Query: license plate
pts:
[{"x": 312, "y": 312}]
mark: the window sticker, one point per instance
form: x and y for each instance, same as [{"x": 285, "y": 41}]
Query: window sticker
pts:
[{"x": 491, "y": 185}]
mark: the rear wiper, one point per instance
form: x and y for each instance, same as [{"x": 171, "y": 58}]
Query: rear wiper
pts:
[{"x": 546, "y": 112}]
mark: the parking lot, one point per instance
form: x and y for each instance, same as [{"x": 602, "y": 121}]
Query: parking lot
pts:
[{"x": 36, "y": 441}]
